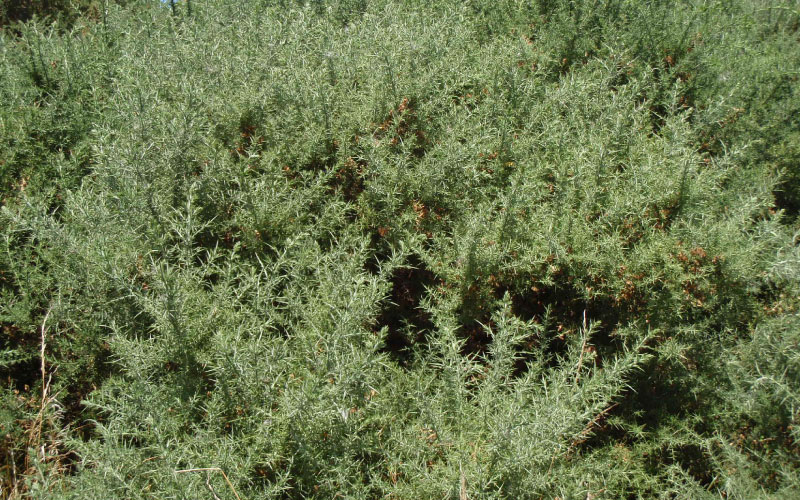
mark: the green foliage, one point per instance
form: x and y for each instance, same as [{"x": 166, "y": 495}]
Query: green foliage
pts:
[{"x": 417, "y": 250}]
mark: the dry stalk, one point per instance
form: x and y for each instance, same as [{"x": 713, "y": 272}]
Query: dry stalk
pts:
[
  {"x": 583, "y": 348},
  {"x": 36, "y": 428},
  {"x": 212, "y": 469},
  {"x": 462, "y": 493},
  {"x": 580, "y": 438},
  {"x": 211, "y": 488},
  {"x": 35, "y": 438}
]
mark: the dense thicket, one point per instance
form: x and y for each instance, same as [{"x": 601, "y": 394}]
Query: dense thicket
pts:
[
  {"x": 378, "y": 249},
  {"x": 63, "y": 12}
]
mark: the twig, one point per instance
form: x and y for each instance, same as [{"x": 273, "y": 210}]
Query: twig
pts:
[
  {"x": 209, "y": 469},
  {"x": 211, "y": 488},
  {"x": 580, "y": 438},
  {"x": 36, "y": 436},
  {"x": 552, "y": 461},
  {"x": 41, "y": 356},
  {"x": 13, "y": 473},
  {"x": 583, "y": 348},
  {"x": 462, "y": 493}
]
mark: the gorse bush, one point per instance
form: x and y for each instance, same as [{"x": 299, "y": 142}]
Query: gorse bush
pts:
[{"x": 420, "y": 250}]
